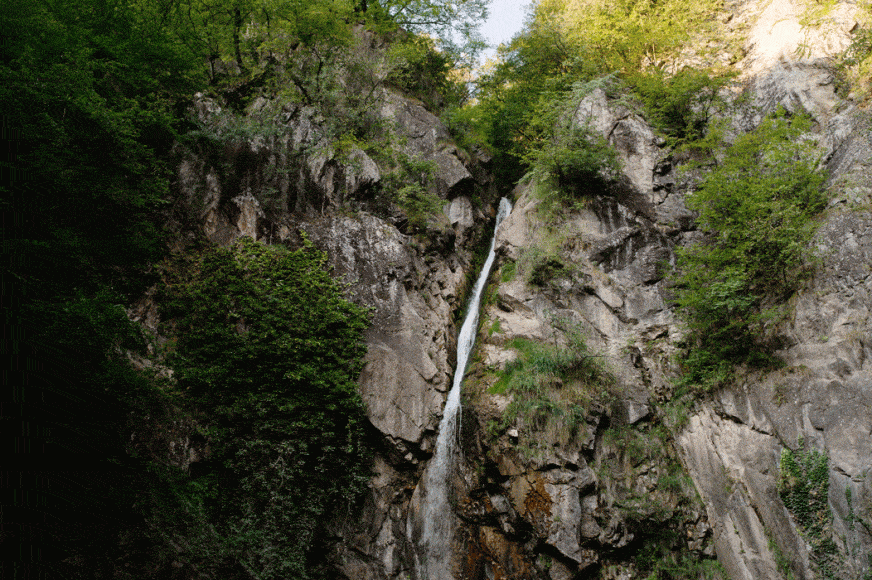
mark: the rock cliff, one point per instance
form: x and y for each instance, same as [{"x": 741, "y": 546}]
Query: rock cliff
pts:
[
  {"x": 607, "y": 278},
  {"x": 641, "y": 474}
]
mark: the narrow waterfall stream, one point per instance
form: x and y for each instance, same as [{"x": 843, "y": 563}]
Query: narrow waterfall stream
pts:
[{"x": 431, "y": 519}]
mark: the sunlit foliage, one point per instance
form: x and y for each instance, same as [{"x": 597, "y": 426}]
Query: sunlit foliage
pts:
[
  {"x": 626, "y": 35},
  {"x": 756, "y": 208}
]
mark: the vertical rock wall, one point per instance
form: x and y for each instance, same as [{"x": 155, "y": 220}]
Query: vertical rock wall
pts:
[
  {"x": 592, "y": 506},
  {"x": 566, "y": 513}
]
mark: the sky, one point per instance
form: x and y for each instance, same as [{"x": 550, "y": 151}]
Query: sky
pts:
[{"x": 505, "y": 20}]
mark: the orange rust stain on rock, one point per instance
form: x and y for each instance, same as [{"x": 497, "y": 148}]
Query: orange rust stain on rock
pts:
[
  {"x": 491, "y": 555},
  {"x": 537, "y": 503},
  {"x": 478, "y": 557}
]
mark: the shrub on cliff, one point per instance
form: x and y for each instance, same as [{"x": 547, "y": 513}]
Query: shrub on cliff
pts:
[
  {"x": 683, "y": 104},
  {"x": 756, "y": 209},
  {"x": 552, "y": 389},
  {"x": 572, "y": 160},
  {"x": 270, "y": 351}
]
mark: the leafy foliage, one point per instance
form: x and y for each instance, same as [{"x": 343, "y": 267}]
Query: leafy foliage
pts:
[
  {"x": 86, "y": 90},
  {"x": 626, "y": 35},
  {"x": 424, "y": 71},
  {"x": 756, "y": 209},
  {"x": 570, "y": 161},
  {"x": 94, "y": 94},
  {"x": 854, "y": 66},
  {"x": 542, "y": 268},
  {"x": 535, "y": 70},
  {"x": 452, "y": 23},
  {"x": 683, "y": 104},
  {"x": 410, "y": 188},
  {"x": 270, "y": 351},
  {"x": 576, "y": 160},
  {"x": 803, "y": 485},
  {"x": 621, "y": 46}
]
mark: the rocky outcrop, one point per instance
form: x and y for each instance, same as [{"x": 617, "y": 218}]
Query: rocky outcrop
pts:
[
  {"x": 606, "y": 276},
  {"x": 590, "y": 505},
  {"x": 629, "y": 476},
  {"x": 279, "y": 178},
  {"x": 413, "y": 295},
  {"x": 428, "y": 138},
  {"x": 247, "y": 174},
  {"x": 821, "y": 398},
  {"x": 271, "y": 175}
]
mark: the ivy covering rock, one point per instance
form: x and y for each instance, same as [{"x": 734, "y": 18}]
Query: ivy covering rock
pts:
[{"x": 270, "y": 350}]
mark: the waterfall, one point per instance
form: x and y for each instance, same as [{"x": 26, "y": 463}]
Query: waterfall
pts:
[{"x": 431, "y": 519}]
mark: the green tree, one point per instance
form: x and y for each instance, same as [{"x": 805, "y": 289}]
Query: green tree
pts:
[
  {"x": 89, "y": 92},
  {"x": 627, "y": 35},
  {"x": 452, "y": 23},
  {"x": 756, "y": 209},
  {"x": 533, "y": 71}
]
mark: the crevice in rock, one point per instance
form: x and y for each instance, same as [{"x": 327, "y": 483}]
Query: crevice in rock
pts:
[{"x": 738, "y": 421}]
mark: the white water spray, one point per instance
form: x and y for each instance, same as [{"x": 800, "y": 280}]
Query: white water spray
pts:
[{"x": 431, "y": 519}]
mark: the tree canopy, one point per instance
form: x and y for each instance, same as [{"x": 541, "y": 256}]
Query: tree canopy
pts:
[
  {"x": 626, "y": 35},
  {"x": 95, "y": 94}
]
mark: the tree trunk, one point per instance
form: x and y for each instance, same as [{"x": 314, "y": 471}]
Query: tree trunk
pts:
[{"x": 237, "y": 27}]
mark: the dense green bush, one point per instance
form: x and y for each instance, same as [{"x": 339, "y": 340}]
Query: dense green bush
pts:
[
  {"x": 95, "y": 95},
  {"x": 409, "y": 187},
  {"x": 423, "y": 71},
  {"x": 570, "y": 161},
  {"x": 538, "y": 265},
  {"x": 88, "y": 91},
  {"x": 680, "y": 105},
  {"x": 270, "y": 351},
  {"x": 756, "y": 210},
  {"x": 628, "y": 35},
  {"x": 577, "y": 160},
  {"x": 532, "y": 72}
]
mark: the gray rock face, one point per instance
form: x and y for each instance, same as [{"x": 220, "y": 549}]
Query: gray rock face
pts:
[
  {"x": 570, "y": 509},
  {"x": 569, "y": 521},
  {"x": 428, "y": 138},
  {"x": 732, "y": 442},
  {"x": 256, "y": 179},
  {"x": 579, "y": 500},
  {"x": 732, "y": 445},
  {"x": 275, "y": 185},
  {"x": 269, "y": 186},
  {"x": 628, "y": 132},
  {"x": 408, "y": 370}
]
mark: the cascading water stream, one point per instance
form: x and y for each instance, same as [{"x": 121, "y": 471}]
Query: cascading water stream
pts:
[{"x": 431, "y": 526}]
